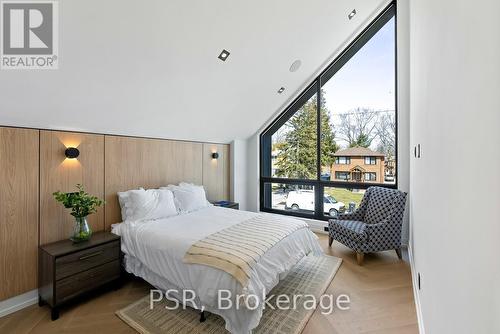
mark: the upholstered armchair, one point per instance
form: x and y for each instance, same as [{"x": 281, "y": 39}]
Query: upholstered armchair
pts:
[{"x": 374, "y": 226}]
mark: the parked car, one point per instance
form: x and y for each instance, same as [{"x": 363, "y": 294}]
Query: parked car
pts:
[
  {"x": 325, "y": 177},
  {"x": 304, "y": 200}
]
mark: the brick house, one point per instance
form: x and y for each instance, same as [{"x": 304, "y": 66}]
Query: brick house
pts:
[{"x": 358, "y": 164}]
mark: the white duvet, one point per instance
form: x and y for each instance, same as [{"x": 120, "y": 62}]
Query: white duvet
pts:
[{"x": 155, "y": 250}]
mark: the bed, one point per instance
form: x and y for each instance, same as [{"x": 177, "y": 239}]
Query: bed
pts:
[{"x": 155, "y": 250}]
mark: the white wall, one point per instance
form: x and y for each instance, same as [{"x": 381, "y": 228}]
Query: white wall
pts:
[
  {"x": 253, "y": 173},
  {"x": 239, "y": 173},
  {"x": 455, "y": 116}
]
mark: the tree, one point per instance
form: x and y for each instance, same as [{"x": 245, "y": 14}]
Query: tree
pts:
[
  {"x": 386, "y": 132},
  {"x": 297, "y": 151},
  {"x": 358, "y": 127},
  {"x": 362, "y": 141},
  {"x": 328, "y": 144}
]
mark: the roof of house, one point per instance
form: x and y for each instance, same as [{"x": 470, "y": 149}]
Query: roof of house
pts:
[{"x": 358, "y": 152}]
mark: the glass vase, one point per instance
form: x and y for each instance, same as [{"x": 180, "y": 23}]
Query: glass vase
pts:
[{"x": 82, "y": 231}]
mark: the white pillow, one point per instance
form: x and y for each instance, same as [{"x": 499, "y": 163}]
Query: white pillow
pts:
[
  {"x": 123, "y": 198},
  {"x": 188, "y": 197},
  {"x": 140, "y": 205}
]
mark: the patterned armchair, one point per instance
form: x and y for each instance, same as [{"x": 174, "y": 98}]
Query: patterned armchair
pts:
[{"x": 374, "y": 226}]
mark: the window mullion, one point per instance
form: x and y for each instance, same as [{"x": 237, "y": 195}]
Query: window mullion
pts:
[{"x": 318, "y": 200}]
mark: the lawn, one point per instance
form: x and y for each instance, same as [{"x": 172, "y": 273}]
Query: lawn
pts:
[{"x": 345, "y": 196}]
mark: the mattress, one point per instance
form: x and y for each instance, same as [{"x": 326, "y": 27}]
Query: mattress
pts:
[{"x": 154, "y": 250}]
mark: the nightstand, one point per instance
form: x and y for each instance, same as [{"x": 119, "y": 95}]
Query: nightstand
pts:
[
  {"x": 227, "y": 204},
  {"x": 66, "y": 270}
]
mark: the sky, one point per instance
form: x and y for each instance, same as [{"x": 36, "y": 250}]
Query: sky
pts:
[{"x": 367, "y": 80}]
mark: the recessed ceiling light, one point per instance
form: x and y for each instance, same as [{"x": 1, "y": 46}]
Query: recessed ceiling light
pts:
[
  {"x": 351, "y": 14},
  {"x": 295, "y": 65},
  {"x": 281, "y": 90},
  {"x": 224, "y": 54}
]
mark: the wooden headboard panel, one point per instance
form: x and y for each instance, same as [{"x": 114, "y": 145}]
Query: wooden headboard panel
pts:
[
  {"x": 151, "y": 163},
  {"x": 33, "y": 166}
]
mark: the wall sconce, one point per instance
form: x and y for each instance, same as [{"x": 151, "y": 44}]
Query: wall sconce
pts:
[
  {"x": 72, "y": 153},
  {"x": 215, "y": 155}
]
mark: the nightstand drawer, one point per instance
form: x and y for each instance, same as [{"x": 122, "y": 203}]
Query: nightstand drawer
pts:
[
  {"x": 87, "y": 280},
  {"x": 86, "y": 259}
]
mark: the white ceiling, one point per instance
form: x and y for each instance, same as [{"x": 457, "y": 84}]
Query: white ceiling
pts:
[{"x": 150, "y": 68}]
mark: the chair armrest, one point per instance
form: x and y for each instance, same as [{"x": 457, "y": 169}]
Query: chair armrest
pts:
[
  {"x": 376, "y": 232},
  {"x": 356, "y": 215}
]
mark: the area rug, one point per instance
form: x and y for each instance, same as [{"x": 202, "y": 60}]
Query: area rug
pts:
[{"x": 311, "y": 276}]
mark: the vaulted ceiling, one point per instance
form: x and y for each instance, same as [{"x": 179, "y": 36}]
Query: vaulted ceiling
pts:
[{"x": 150, "y": 68}]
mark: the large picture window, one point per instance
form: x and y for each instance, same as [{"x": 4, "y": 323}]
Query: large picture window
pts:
[{"x": 339, "y": 136}]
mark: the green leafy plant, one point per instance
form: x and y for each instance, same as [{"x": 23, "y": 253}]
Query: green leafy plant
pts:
[{"x": 81, "y": 203}]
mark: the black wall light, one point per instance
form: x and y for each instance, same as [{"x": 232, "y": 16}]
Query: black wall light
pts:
[
  {"x": 215, "y": 155},
  {"x": 72, "y": 153}
]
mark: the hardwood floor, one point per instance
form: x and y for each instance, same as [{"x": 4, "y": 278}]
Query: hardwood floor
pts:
[{"x": 380, "y": 292}]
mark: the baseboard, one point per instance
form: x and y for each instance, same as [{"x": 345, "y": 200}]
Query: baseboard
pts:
[
  {"x": 17, "y": 303},
  {"x": 317, "y": 226},
  {"x": 416, "y": 296}
]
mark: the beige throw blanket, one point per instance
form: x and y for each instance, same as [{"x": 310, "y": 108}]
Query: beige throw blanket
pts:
[{"x": 237, "y": 249}]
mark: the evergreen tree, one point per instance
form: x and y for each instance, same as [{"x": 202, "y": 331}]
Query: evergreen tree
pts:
[
  {"x": 361, "y": 141},
  {"x": 328, "y": 144},
  {"x": 297, "y": 152}
]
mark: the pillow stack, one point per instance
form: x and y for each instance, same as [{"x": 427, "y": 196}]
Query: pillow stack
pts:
[
  {"x": 141, "y": 205},
  {"x": 188, "y": 197}
]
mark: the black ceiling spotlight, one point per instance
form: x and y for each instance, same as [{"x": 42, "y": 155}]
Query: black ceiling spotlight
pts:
[
  {"x": 72, "y": 153},
  {"x": 224, "y": 54},
  {"x": 215, "y": 155},
  {"x": 351, "y": 14},
  {"x": 281, "y": 90}
]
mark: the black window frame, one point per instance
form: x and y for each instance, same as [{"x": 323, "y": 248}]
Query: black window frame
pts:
[{"x": 265, "y": 161}]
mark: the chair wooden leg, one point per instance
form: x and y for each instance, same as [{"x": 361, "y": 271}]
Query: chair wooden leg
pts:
[
  {"x": 360, "y": 257},
  {"x": 398, "y": 251},
  {"x": 330, "y": 241}
]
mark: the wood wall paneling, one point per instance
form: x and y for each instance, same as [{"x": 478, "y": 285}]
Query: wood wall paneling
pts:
[
  {"x": 18, "y": 211},
  {"x": 150, "y": 163},
  {"x": 59, "y": 173},
  {"x": 33, "y": 166},
  {"x": 216, "y": 178}
]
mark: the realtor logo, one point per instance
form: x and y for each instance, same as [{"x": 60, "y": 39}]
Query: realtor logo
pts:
[{"x": 29, "y": 35}]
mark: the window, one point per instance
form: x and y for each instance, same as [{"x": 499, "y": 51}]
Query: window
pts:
[
  {"x": 294, "y": 144},
  {"x": 342, "y": 160},
  {"x": 370, "y": 176},
  {"x": 342, "y": 175},
  {"x": 370, "y": 160},
  {"x": 315, "y": 155},
  {"x": 295, "y": 198},
  {"x": 346, "y": 200}
]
